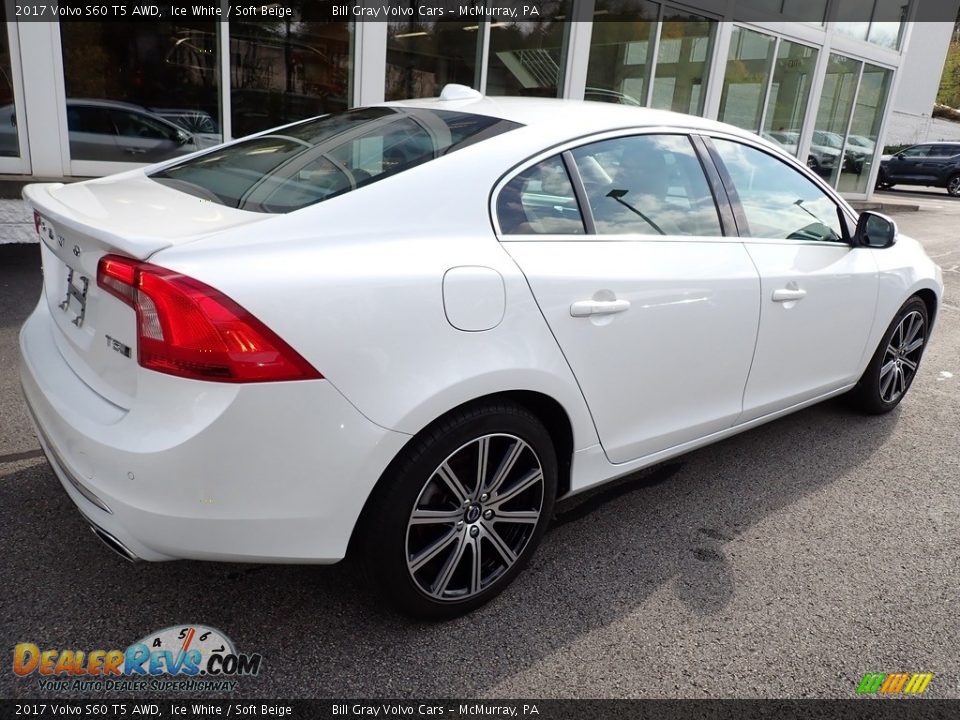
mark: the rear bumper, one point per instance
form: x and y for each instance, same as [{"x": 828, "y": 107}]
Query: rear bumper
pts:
[{"x": 272, "y": 472}]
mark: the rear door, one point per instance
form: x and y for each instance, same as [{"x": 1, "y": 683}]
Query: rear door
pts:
[
  {"x": 818, "y": 293},
  {"x": 906, "y": 166},
  {"x": 654, "y": 307},
  {"x": 939, "y": 163},
  {"x": 92, "y": 134},
  {"x": 141, "y": 138}
]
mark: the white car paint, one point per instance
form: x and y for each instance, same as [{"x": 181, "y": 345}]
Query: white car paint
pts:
[{"x": 404, "y": 298}]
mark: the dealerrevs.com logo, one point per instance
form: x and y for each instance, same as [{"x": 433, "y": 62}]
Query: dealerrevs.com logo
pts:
[{"x": 185, "y": 658}]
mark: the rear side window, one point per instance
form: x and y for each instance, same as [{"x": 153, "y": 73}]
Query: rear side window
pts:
[
  {"x": 945, "y": 150},
  {"x": 647, "y": 185},
  {"x": 540, "y": 201},
  {"x": 321, "y": 158}
]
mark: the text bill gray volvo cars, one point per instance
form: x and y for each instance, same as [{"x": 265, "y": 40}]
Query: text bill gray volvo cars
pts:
[{"x": 407, "y": 329}]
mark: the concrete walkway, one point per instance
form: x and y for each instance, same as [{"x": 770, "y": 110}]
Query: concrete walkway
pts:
[{"x": 16, "y": 225}]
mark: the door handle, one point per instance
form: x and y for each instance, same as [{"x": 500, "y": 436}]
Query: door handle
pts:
[
  {"x": 134, "y": 151},
  {"x": 788, "y": 294},
  {"x": 586, "y": 308}
]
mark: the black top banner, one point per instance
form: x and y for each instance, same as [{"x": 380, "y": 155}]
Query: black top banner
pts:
[{"x": 425, "y": 11}]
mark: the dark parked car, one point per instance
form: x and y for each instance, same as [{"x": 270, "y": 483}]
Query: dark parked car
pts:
[{"x": 931, "y": 164}]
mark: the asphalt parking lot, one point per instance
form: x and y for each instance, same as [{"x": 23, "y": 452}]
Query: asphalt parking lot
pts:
[{"x": 785, "y": 562}]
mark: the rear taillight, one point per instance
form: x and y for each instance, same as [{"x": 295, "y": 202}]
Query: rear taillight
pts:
[
  {"x": 188, "y": 329},
  {"x": 36, "y": 221}
]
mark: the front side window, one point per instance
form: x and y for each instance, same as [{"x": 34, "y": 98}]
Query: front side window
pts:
[
  {"x": 647, "y": 185},
  {"x": 540, "y": 201},
  {"x": 917, "y": 151},
  {"x": 779, "y": 202},
  {"x": 321, "y": 158}
]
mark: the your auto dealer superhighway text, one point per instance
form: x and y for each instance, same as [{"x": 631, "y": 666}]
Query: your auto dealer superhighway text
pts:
[{"x": 419, "y": 709}]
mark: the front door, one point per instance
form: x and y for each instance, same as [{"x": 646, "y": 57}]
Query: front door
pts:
[{"x": 818, "y": 293}]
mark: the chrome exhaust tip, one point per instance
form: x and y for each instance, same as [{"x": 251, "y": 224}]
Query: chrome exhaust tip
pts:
[{"x": 111, "y": 542}]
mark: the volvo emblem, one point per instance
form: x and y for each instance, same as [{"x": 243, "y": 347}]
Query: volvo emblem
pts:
[
  {"x": 473, "y": 514},
  {"x": 76, "y": 251}
]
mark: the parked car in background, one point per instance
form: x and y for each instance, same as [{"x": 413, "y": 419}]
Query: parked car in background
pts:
[
  {"x": 935, "y": 164},
  {"x": 112, "y": 132},
  {"x": 123, "y": 132},
  {"x": 610, "y": 96},
  {"x": 820, "y": 158},
  {"x": 406, "y": 330}
]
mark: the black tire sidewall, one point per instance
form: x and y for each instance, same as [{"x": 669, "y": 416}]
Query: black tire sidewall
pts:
[
  {"x": 868, "y": 389},
  {"x": 385, "y": 533}
]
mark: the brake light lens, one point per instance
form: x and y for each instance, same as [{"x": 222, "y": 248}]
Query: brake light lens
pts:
[
  {"x": 36, "y": 221},
  {"x": 189, "y": 329}
]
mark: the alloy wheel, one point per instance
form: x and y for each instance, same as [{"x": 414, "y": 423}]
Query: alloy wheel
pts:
[
  {"x": 902, "y": 357},
  {"x": 474, "y": 516},
  {"x": 953, "y": 185}
]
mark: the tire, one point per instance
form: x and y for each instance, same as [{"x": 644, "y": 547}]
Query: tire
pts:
[
  {"x": 953, "y": 185},
  {"x": 896, "y": 361},
  {"x": 812, "y": 163},
  {"x": 883, "y": 183},
  {"x": 437, "y": 543}
]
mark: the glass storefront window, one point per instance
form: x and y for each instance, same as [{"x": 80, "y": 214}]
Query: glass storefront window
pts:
[
  {"x": 683, "y": 59},
  {"x": 9, "y": 140},
  {"x": 745, "y": 78},
  {"x": 889, "y": 17},
  {"x": 861, "y": 149},
  {"x": 808, "y": 11},
  {"x": 876, "y": 21},
  {"x": 833, "y": 116},
  {"x": 527, "y": 58},
  {"x": 140, "y": 92},
  {"x": 288, "y": 70},
  {"x": 621, "y": 52},
  {"x": 422, "y": 57},
  {"x": 789, "y": 94}
]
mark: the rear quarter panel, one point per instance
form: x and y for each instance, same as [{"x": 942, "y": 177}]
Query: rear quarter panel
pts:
[{"x": 355, "y": 284}]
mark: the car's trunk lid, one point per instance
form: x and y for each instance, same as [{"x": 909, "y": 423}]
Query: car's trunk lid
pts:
[{"x": 78, "y": 224}]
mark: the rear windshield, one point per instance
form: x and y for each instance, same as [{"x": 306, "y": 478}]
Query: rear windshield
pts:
[{"x": 321, "y": 158}]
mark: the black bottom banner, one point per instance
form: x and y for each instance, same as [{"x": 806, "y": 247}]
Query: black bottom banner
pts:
[{"x": 879, "y": 709}]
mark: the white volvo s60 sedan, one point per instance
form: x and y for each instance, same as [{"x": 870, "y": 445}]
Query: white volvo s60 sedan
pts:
[{"x": 408, "y": 329}]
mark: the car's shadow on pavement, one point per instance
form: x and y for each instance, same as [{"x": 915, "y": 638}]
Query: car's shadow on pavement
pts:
[{"x": 322, "y": 634}]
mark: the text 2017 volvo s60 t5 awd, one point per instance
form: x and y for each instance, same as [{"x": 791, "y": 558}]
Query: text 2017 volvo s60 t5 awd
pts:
[{"x": 408, "y": 329}]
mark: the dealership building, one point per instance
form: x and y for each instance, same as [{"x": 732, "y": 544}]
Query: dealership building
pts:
[{"x": 820, "y": 77}]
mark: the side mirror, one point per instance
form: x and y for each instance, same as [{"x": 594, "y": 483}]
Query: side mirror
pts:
[{"x": 875, "y": 230}]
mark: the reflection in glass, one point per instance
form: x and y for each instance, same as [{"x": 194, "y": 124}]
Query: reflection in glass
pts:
[
  {"x": 877, "y": 21},
  {"x": 789, "y": 94},
  {"x": 809, "y": 11},
  {"x": 682, "y": 62},
  {"x": 322, "y": 158},
  {"x": 888, "y": 19},
  {"x": 745, "y": 78},
  {"x": 140, "y": 92},
  {"x": 422, "y": 57},
  {"x": 621, "y": 52},
  {"x": 778, "y": 201},
  {"x": 647, "y": 185},
  {"x": 9, "y": 145},
  {"x": 836, "y": 102},
  {"x": 527, "y": 58},
  {"x": 861, "y": 150},
  {"x": 288, "y": 70}
]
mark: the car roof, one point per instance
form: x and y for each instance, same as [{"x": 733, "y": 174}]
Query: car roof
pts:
[
  {"x": 568, "y": 118},
  {"x": 105, "y": 103}
]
